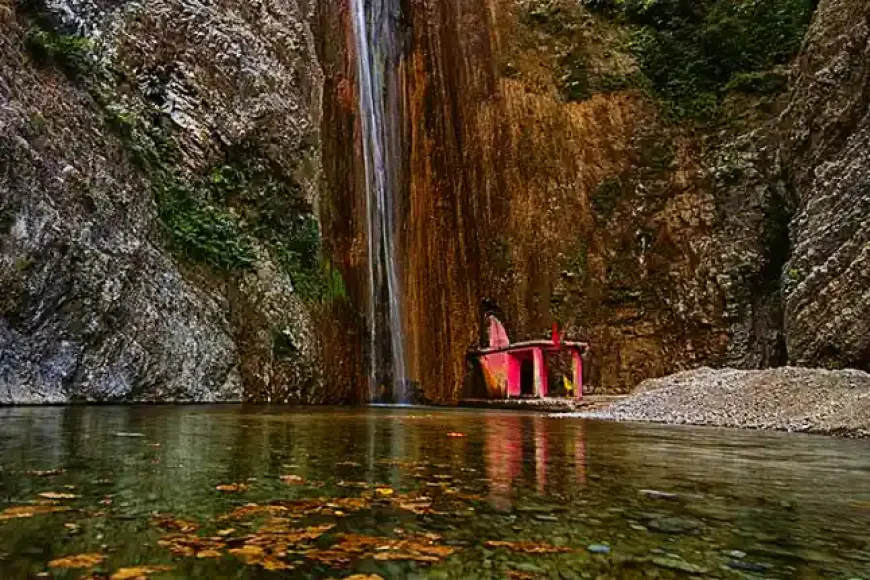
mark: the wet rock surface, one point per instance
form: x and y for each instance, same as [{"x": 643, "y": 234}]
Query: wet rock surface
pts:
[
  {"x": 102, "y": 105},
  {"x": 826, "y": 144},
  {"x": 788, "y": 399}
]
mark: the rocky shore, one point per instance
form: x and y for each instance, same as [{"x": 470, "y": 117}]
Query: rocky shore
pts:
[{"x": 788, "y": 399}]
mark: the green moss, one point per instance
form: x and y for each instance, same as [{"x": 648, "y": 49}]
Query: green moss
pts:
[
  {"x": 71, "y": 53},
  {"x": 199, "y": 231}
]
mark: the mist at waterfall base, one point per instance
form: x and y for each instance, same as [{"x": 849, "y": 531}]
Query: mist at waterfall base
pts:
[{"x": 378, "y": 52}]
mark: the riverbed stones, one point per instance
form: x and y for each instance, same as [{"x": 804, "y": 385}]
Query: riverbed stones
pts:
[
  {"x": 678, "y": 565},
  {"x": 674, "y": 525}
]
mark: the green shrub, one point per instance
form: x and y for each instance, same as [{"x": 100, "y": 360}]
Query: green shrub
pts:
[
  {"x": 72, "y": 53},
  {"x": 201, "y": 232},
  {"x": 694, "y": 50}
]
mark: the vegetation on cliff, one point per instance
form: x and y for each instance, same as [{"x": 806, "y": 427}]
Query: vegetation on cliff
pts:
[
  {"x": 218, "y": 218},
  {"x": 688, "y": 53}
]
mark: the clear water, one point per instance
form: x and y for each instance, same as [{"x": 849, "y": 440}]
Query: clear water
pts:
[{"x": 744, "y": 504}]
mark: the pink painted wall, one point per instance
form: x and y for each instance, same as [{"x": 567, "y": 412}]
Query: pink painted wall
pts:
[
  {"x": 498, "y": 337},
  {"x": 496, "y": 374}
]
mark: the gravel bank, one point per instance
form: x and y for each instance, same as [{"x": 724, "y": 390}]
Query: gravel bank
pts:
[{"x": 788, "y": 399}]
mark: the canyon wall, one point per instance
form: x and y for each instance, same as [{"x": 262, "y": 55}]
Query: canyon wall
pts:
[
  {"x": 160, "y": 176},
  {"x": 575, "y": 163}
]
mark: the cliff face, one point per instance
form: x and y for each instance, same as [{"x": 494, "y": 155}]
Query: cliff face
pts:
[
  {"x": 826, "y": 148},
  {"x": 159, "y": 180},
  {"x": 546, "y": 180},
  {"x": 648, "y": 174}
]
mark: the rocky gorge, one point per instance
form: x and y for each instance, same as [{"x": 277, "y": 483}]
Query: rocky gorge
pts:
[{"x": 182, "y": 215}]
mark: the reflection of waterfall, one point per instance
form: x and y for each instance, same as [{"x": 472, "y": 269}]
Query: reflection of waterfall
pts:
[{"x": 378, "y": 52}]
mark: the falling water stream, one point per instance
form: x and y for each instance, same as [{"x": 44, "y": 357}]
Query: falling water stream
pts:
[{"x": 378, "y": 52}]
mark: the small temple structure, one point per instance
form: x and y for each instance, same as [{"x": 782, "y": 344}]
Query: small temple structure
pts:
[{"x": 520, "y": 369}]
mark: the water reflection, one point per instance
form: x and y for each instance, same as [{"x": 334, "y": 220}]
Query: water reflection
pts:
[
  {"x": 519, "y": 447},
  {"x": 798, "y": 505}
]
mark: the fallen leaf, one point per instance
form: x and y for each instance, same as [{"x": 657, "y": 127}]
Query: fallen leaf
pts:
[
  {"x": 171, "y": 524},
  {"x": 225, "y": 532},
  {"x": 454, "y": 434},
  {"x": 528, "y": 547},
  {"x": 139, "y": 572},
  {"x": 78, "y": 561},
  {"x": 348, "y": 464},
  {"x": 58, "y": 495},
  {"x": 26, "y": 511},
  {"x": 292, "y": 479},
  {"x": 404, "y": 556},
  {"x": 517, "y": 575},
  {"x": 45, "y": 472},
  {"x": 384, "y": 491},
  {"x": 209, "y": 554},
  {"x": 364, "y": 577},
  {"x": 247, "y": 551},
  {"x": 232, "y": 487}
]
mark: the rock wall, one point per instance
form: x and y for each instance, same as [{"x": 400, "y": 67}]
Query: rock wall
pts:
[
  {"x": 826, "y": 139},
  {"x": 160, "y": 174},
  {"x": 549, "y": 178}
]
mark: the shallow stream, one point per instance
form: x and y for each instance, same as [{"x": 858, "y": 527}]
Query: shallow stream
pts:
[{"x": 263, "y": 492}]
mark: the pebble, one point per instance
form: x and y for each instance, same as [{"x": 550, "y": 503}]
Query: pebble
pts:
[
  {"x": 674, "y": 525},
  {"x": 747, "y": 566},
  {"x": 737, "y": 554},
  {"x": 528, "y": 567},
  {"x": 598, "y": 548},
  {"x": 679, "y": 565}
]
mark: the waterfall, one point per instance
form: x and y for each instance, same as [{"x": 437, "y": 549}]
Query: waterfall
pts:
[{"x": 378, "y": 51}]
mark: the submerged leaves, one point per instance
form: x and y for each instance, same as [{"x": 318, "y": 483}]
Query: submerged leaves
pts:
[
  {"x": 27, "y": 511},
  {"x": 232, "y": 487},
  {"x": 58, "y": 495},
  {"x": 139, "y": 572},
  {"x": 77, "y": 561},
  {"x": 528, "y": 547},
  {"x": 354, "y": 547}
]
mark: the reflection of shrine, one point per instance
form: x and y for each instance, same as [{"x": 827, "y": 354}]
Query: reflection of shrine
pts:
[{"x": 519, "y": 453}]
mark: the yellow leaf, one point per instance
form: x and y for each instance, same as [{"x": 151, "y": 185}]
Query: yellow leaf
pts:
[
  {"x": 78, "y": 561},
  {"x": 208, "y": 554},
  {"x": 232, "y": 487},
  {"x": 527, "y": 547},
  {"x": 247, "y": 551},
  {"x": 138, "y": 572},
  {"x": 27, "y": 511},
  {"x": 384, "y": 491},
  {"x": 58, "y": 495}
]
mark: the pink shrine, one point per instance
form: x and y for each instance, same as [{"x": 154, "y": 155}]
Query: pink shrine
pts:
[{"x": 520, "y": 369}]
